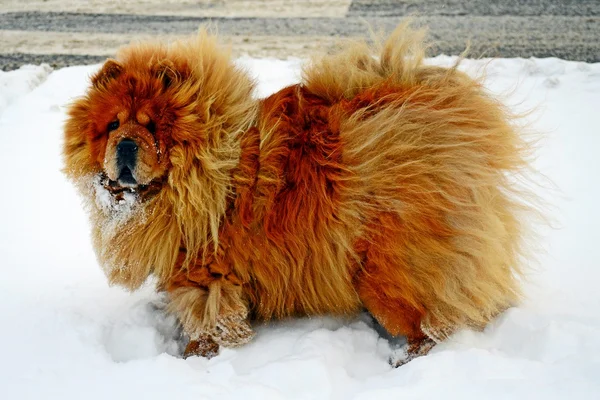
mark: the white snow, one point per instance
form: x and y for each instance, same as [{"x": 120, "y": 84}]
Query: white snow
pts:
[{"x": 65, "y": 334}]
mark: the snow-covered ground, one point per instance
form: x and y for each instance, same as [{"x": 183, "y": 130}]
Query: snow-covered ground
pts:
[{"x": 65, "y": 334}]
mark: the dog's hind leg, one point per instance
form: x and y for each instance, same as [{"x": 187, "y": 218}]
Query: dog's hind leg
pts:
[
  {"x": 394, "y": 307},
  {"x": 396, "y": 288}
]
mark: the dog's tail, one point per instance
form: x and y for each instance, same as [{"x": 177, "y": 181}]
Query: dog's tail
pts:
[{"x": 359, "y": 65}]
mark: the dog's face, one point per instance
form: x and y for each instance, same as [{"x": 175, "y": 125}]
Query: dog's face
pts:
[
  {"x": 128, "y": 131},
  {"x": 132, "y": 148}
]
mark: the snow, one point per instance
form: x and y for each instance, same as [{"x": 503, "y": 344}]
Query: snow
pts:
[
  {"x": 66, "y": 334},
  {"x": 120, "y": 209}
]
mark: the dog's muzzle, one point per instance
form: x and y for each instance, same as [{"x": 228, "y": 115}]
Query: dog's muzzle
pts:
[{"x": 127, "y": 151}]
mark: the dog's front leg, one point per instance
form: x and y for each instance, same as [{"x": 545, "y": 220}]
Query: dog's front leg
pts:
[{"x": 208, "y": 300}]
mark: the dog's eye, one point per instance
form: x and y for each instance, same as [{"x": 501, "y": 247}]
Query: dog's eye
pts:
[
  {"x": 151, "y": 127},
  {"x": 113, "y": 125}
]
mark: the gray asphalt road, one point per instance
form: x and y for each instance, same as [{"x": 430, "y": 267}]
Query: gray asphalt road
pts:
[
  {"x": 567, "y": 29},
  {"x": 532, "y": 8}
]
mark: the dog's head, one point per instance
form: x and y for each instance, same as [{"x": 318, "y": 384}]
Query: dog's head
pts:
[
  {"x": 160, "y": 113},
  {"x": 123, "y": 129},
  {"x": 159, "y": 126}
]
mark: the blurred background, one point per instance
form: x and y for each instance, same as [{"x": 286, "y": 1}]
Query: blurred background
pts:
[{"x": 76, "y": 32}]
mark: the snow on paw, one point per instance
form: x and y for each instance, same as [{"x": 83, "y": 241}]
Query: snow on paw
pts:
[
  {"x": 436, "y": 332},
  {"x": 410, "y": 351},
  {"x": 228, "y": 313},
  {"x": 232, "y": 330}
]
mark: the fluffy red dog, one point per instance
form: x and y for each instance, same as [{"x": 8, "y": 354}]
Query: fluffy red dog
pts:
[{"x": 377, "y": 183}]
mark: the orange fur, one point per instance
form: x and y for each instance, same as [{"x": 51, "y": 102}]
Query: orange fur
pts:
[{"x": 381, "y": 183}]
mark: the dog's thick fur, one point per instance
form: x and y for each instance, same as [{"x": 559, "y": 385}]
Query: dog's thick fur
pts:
[{"x": 377, "y": 182}]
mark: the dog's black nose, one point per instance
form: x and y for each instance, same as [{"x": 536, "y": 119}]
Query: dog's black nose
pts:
[{"x": 127, "y": 154}]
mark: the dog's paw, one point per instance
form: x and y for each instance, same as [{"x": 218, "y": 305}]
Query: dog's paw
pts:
[
  {"x": 232, "y": 330},
  {"x": 410, "y": 351},
  {"x": 203, "y": 346}
]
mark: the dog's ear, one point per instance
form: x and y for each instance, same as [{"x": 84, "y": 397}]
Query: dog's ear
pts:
[
  {"x": 167, "y": 73},
  {"x": 110, "y": 70}
]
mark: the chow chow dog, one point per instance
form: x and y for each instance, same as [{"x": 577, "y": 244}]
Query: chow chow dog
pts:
[{"x": 377, "y": 183}]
